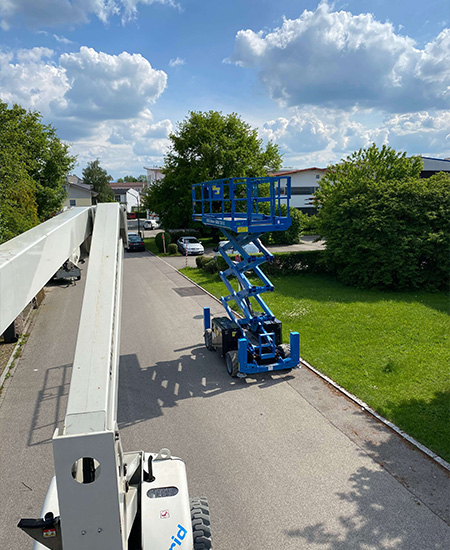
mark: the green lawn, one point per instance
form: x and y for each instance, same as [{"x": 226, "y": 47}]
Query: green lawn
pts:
[{"x": 392, "y": 350}]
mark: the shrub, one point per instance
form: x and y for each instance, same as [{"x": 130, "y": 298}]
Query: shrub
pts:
[
  {"x": 305, "y": 261},
  {"x": 385, "y": 227},
  {"x": 291, "y": 235},
  {"x": 309, "y": 224},
  {"x": 210, "y": 265},
  {"x": 159, "y": 240},
  {"x": 172, "y": 248},
  {"x": 199, "y": 261}
]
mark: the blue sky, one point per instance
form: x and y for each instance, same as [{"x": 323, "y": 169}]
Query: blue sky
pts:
[{"x": 322, "y": 79}]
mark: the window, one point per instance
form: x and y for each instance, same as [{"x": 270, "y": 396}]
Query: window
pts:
[
  {"x": 72, "y": 202},
  {"x": 317, "y": 176},
  {"x": 303, "y": 190}
]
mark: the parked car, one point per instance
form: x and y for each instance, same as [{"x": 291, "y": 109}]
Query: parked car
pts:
[
  {"x": 135, "y": 242},
  {"x": 151, "y": 224},
  {"x": 131, "y": 215},
  {"x": 250, "y": 248},
  {"x": 190, "y": 245}
]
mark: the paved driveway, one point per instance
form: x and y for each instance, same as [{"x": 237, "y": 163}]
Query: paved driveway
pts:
[{"x": 285, "y": 461}]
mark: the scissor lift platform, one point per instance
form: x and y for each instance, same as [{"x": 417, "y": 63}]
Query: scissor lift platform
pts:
[
  {"x": 243, "y": 205},
  {"x": 244, "y": 209}
]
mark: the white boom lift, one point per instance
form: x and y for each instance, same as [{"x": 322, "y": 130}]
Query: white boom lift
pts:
[{"x": 101, "y": 498}]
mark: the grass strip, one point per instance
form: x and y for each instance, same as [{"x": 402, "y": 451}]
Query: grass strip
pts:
[{"x": 390, "y": 349}]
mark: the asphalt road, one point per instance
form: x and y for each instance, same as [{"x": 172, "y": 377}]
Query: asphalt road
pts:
[{"x": 285, "y": 461}]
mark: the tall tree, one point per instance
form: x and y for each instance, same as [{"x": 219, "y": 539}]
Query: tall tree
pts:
[
  {"x": 384, "y": 226},
  {"x": 34, "y": 164},
  {"x": 99, "y": 178},
  {"x": 207, "y": 146}
]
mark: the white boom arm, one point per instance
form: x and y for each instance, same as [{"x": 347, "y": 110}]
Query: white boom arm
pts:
[{"x": 101, "y": 498}]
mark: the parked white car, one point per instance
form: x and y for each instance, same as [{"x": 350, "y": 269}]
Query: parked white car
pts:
[
  {"x": 250, "y": 248},
  {"x": 190, "y": 245},
  {"x": 151, "y": 224}
]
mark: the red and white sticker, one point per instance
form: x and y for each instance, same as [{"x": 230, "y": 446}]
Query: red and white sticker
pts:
[
  {"x": 164, "y": 514},
  {"x": 48, "y": 533}
]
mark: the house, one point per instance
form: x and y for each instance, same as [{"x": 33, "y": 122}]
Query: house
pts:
[
  {"x": 432, "y": 166},
  {"x": 128, "y": 193},
  {"x": 78, "y": 194},
  {"x": 154, "y": 174},
  {"x": 303, "y": 185}
]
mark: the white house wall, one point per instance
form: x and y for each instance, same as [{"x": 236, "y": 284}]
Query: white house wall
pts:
[{"x": 300, "y": 181}]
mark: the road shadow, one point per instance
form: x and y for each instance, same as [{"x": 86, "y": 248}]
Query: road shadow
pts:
[
  {"x": 50, "y": 409},
  {"x": 144, "y": 391},
  {"x": 383, "y": 515},
  {"x": 376, "y": 521}
]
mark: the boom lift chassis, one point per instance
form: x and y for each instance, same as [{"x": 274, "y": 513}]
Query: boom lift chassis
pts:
[
  {"x": 244, "y": 209},
  {"x": 101, "y": 497}
]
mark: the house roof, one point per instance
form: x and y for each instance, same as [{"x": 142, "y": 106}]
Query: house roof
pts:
[
  {"x": 139, "y": 185},
  {"x": 83, "y": 186},
  {"x": 285, "y": 173}
]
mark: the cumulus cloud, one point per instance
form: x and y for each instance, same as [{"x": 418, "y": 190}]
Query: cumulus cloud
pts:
[
  {"x": 50, "y": 13},
  {"x": 95, "y": 100},
  {"x": 85, "y": 85},
  {"x": 315, "y": 130},
  {"x": 32, "y": 79},
  {"x": 106, "y": 86},
  {"x": 423, "y": 132},
  {"x": 337, "y": 59}
]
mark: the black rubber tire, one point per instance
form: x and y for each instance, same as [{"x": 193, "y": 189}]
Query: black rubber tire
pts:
[
  {"x": 208, "y": 340},
  {"x": 201, "y": 524},
  {"x": 232, "y": 363},
  {"x": 285, "y": 350}
]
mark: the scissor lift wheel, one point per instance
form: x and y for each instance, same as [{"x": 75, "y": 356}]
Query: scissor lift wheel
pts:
[
  {"x": 232, "y": 363},
  {"x": 208, "y": 339}
]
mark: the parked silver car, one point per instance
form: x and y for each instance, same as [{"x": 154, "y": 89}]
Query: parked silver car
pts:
[{"x": 190, "y": 245}]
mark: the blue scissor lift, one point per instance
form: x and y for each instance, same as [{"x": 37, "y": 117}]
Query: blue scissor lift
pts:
[{"x": 244, "y": 209}]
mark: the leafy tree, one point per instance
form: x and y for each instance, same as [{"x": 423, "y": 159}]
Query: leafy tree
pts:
[
  {"x": 207, "y": 146},
  {"x": 99, "y": 178},
  {"x": 131, "y": 179},
  {"x": 34, "y": 164},
  {"x": 384, "y": 226}
]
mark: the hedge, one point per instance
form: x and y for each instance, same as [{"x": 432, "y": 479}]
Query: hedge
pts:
[{"x": 305, "y": 261}]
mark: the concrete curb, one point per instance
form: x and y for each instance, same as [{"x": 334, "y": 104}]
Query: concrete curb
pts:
[
  {"x": 16, "y": 347},
  {"x": 436, "y": 458}
]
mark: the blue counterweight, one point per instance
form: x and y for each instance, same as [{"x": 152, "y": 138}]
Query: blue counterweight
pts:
[{"x": 244, "y": 209}]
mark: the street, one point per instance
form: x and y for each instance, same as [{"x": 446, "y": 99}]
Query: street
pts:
[{"x": 284, "y": 461}]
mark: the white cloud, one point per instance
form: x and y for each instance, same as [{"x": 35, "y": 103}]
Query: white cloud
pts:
[
  {"x": 338, "y": 59},
  {"x": 31, "y": 79},
  {"x": 177, "y": 62},
  {"x": 424, "y": 132},
  {"x": 106, "y": 86},
  {"x": 48, "y": 13},
  {"x": 318, "y": 133},
  {"x": 98, "y": 102},
  {"x": 62, "y": 39},
  {"x": 85, "y": 86}
]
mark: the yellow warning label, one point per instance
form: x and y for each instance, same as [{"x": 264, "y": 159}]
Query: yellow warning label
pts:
[{"x": 242, "y": 229}]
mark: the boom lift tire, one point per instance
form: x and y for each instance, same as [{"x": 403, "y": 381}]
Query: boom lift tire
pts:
[
  {"x": 201, "y": 524},
  {"x": 232, "y": 363},
  {"x": 208, "y": 339}
]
